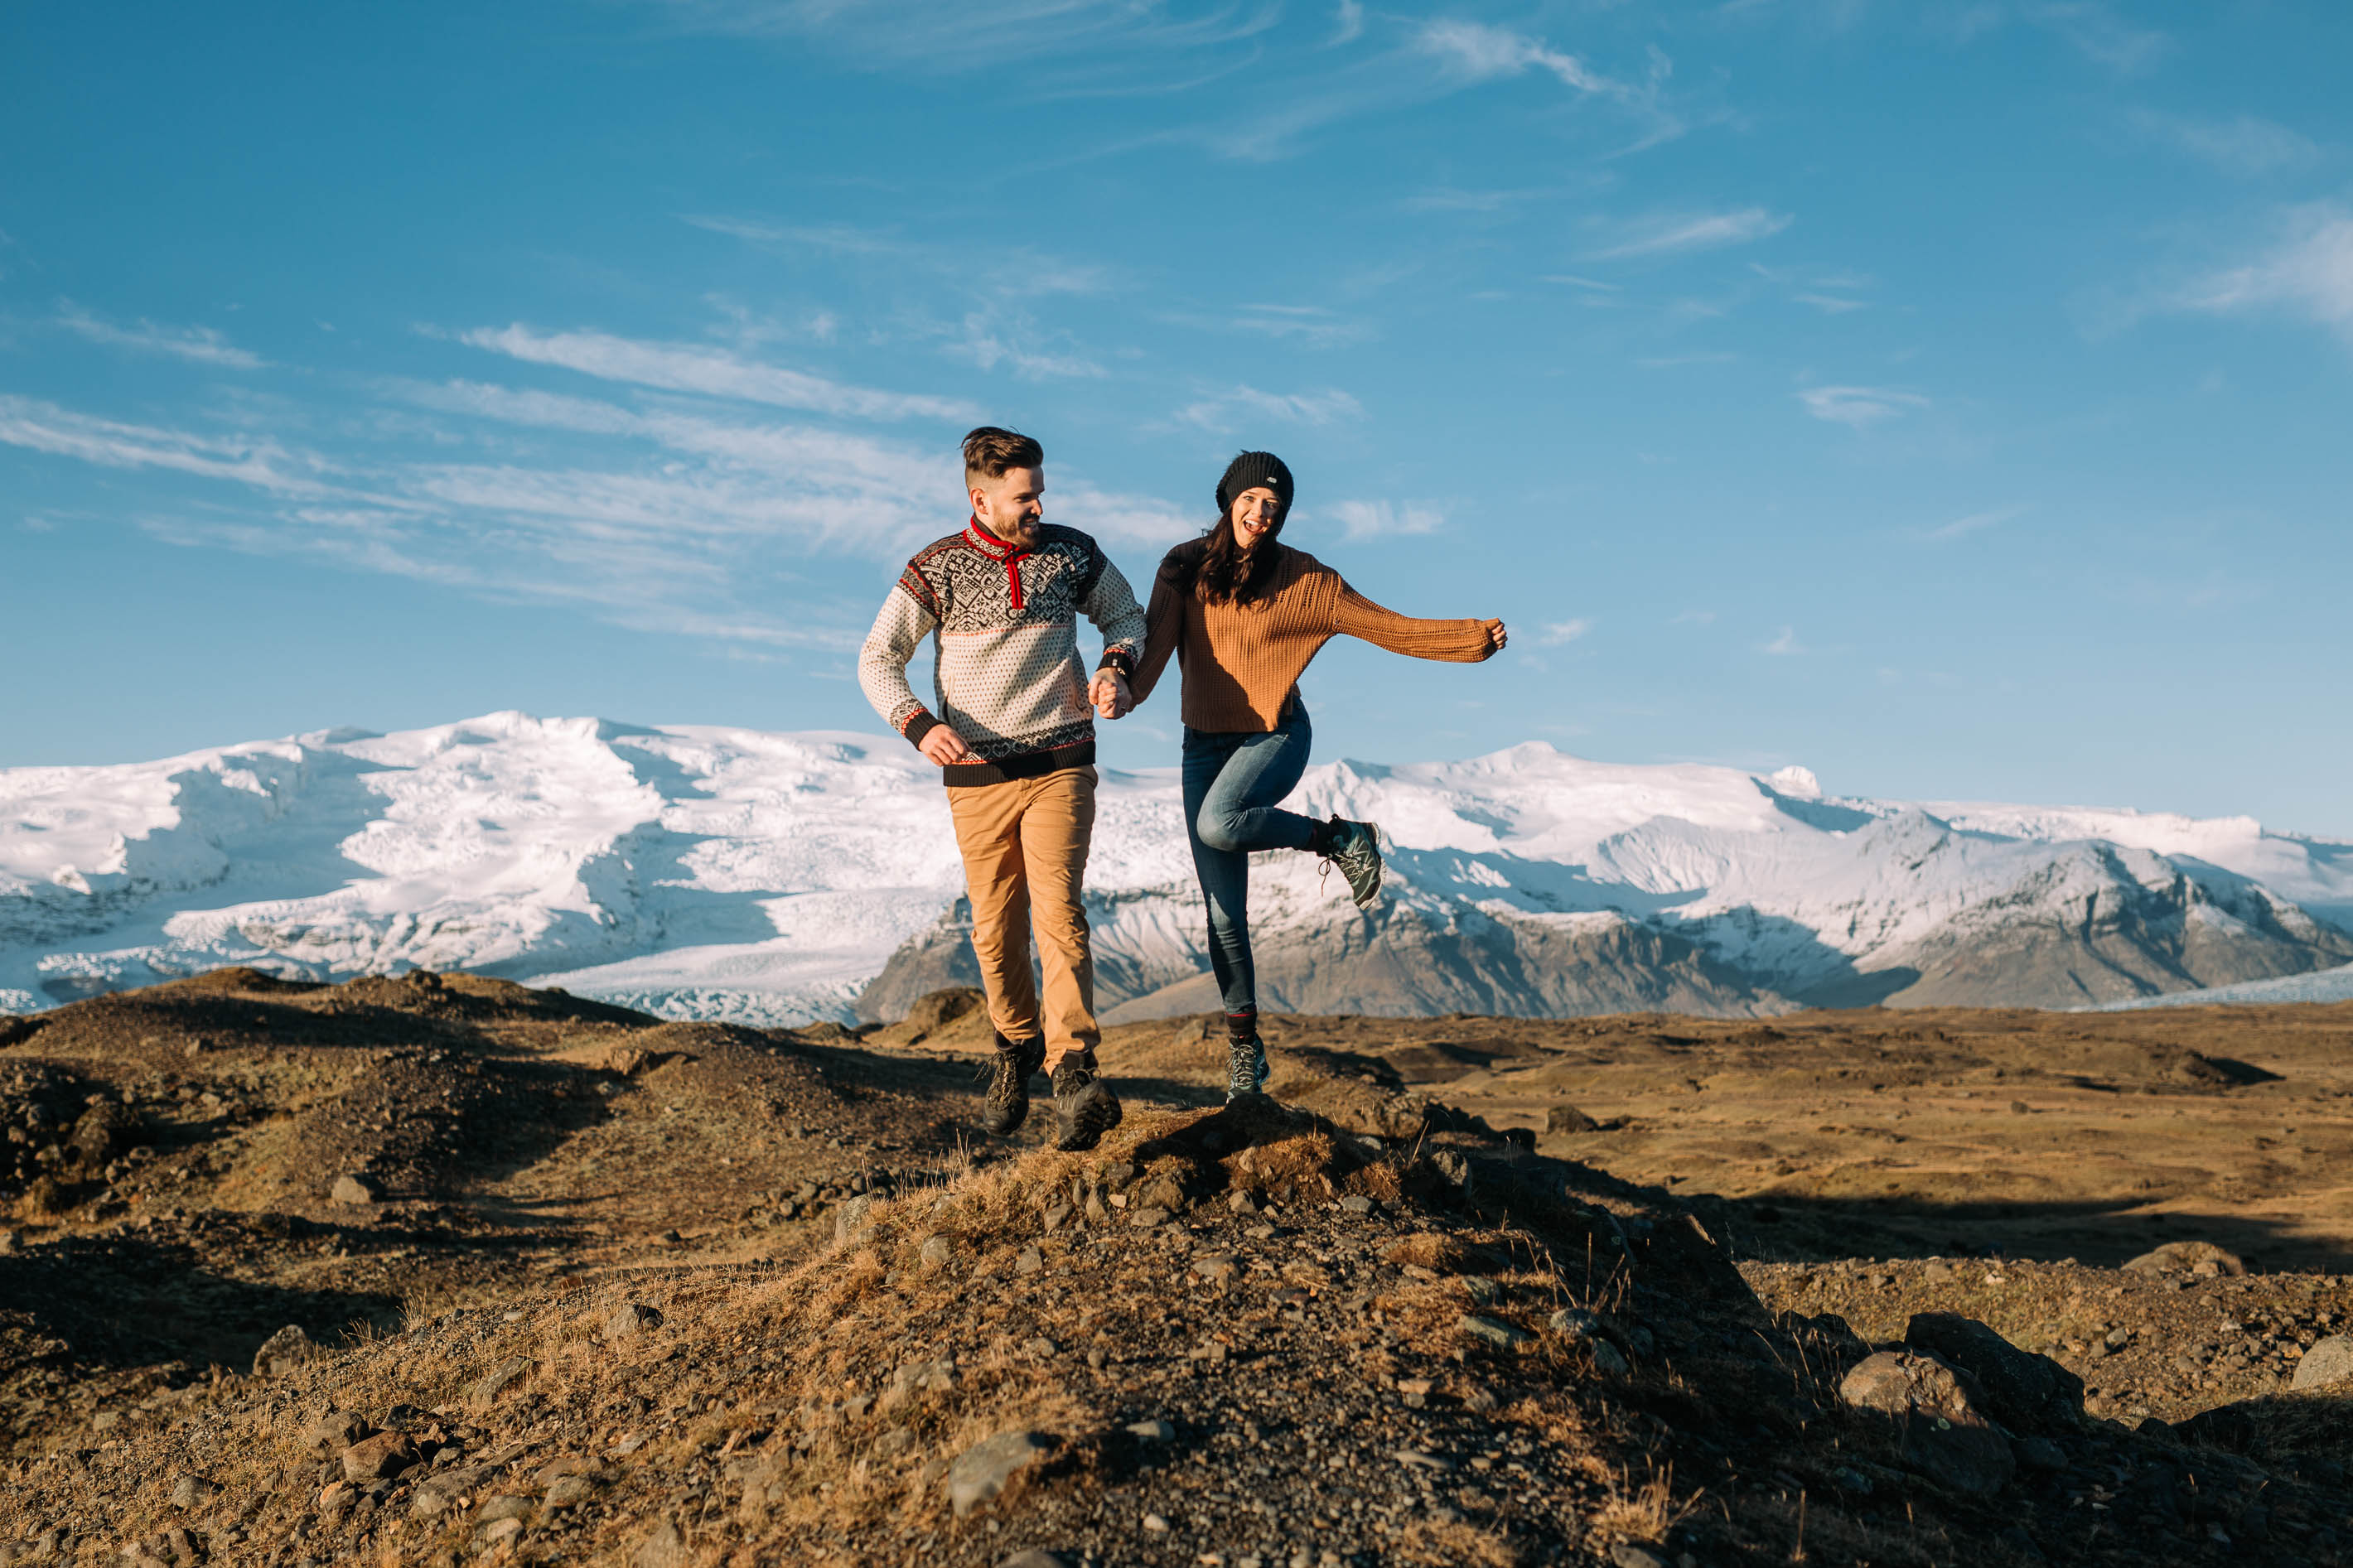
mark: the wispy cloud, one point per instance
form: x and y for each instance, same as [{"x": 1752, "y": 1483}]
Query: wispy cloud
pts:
[
  {"x": 1561, "y": 632},
  {"x": 1221, "y": 412},
  {"x": 1831, "y": 304},
  {"x": 2308, "y": 271},
  {"x": 2101, "y": 34},
  {"x": 1384, "y": 520},
  {"x": 264, "y": 464},
  {"x": 1348, "y": 23},
  {"x": 1783, "y": 644},
  {"x": 979, "y": 34},
  {"x": 1975, "y": 522},
  {"x": 1674, "y": 233},
  {"x": 1481, "y": 53},
  {"x": 2244, "y": 146},
  {"x": 988, "y": 343},
  {"x": 201, "y": 344},
  {"x": 713, "y": 372},
  {"x": 1858, "y": 407}
]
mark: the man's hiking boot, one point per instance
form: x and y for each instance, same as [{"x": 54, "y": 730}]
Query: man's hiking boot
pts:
[
  {"x": 1085, "y": 1103},
  {"x": 1355, "y": 849},
  {"x": 1246, "y": 1068},
  {"x": 1008, "y": 1090}
]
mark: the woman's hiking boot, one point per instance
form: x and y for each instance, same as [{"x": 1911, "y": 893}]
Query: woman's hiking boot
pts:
[
  {"x": 1355, "y": 849},
  {"x": 1085, "y": 1103},
  {"x": 1008, "y": 1090},
  {"x": 1246, "y": 1068}
]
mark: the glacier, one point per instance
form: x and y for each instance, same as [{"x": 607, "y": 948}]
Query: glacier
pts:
[{"x": 707, "y": 873}]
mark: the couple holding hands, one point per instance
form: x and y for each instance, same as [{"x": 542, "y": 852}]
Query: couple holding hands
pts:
[{"x": 1014, "y": 738}]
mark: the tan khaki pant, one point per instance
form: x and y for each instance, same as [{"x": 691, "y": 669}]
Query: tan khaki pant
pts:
[{"x": 1025, "y": 865}]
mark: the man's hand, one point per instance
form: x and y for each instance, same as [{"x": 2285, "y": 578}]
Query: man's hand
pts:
[
  {"x": 1496, "y": 639},
  {"x": 945, "y": 746},
  {"x": 1109, "y": 693}
]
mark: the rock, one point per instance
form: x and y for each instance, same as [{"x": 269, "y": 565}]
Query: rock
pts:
[
  {"x": 1356, "y": 1203},
  {"x": 1028, "y": 1261},
  {"x": 854, "y": 1219},
  {"x": 376, "y": 1459},
  {"x": 936, "y": 1254},
  {"x": 1153, "y": 1431},
  {"x": 498, "y": 1533},
  {"x": 484, "y": 1391},
  {"x": 2023, "y": 1391},
  {"x": 1487, "y": 1331},
  {"x": 1034, "y": 1558},
  {"x": 1239, "y": 1202},
  {"x": 355, "y": 1190},
  {"x": 937, "y": 1009},
  {"x": 1608, "y": 1360},
  {"x": 104, "y": 1131},
  {"x": 1625, "y": 1554},
  {"x": 1568, "y": 1119},
  {"x": 1057, "y": 1217},
  {"x": 193, "y": 1491},
  {"x": 283, "y": 1351},
  {"x": 627, "y": 1060},
  {"x": 1942, "y": 1432},
  {"x": 570, "y": 1491},
  {"x": 2328, "y": 1362},
  {"x": 628, "y": 1321},
  {"x": 665, "y": 1548},
  {"x": 1148, "y": 1216},
  {"x": 2037, "y": 1452},
  {"x": 1216, "y": 1268},
  {"x": 505, "y": 1506},
  {"x": 335, "y": 1495},
  {"x": 2188, "y": 1258},
  {"x": 1161, "y": 1194},
  {"x": 333, "y": 1431},
  {"x": 982, "y": 1471},
  {"x": 443, "y": 1489}
]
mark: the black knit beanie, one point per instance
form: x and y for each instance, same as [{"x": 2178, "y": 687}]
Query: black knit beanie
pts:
[{"x": 1252, "y": 468}]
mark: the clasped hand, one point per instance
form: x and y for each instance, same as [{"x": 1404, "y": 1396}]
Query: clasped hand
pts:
[{"x": 1109, "y": 693}]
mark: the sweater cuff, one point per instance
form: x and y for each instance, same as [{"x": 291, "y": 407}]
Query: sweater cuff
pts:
[
  {"x": 919, "y": 724},
  {"x": 1120, "y": 660}
]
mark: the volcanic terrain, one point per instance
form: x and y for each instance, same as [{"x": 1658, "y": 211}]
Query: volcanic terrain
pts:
[{"x": 442, "y": 1269}]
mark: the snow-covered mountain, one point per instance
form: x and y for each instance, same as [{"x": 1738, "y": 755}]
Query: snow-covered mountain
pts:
[{"x": 773, "y": 877}]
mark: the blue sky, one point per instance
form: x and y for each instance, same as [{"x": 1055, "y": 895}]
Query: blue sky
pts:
[{"x": 1951, "y": 397}]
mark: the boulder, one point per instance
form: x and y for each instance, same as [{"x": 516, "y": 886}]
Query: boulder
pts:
[
  {"x": 1568, "y": 1119},
  {"x": 1937, "y": 1419},
  {"x": 983, "y": 1471},
  {"x": 334, "y": 1431},
  {"x": 283, "y": 1351},
  {"x": 2327, "y": 1364},
  {"x": 628, "y": 1321},
  {"x": 375, "y": 1459},
  {"x": 2202, "y": 1258},
  {"x": 2024, "y": 1392},
  {"x": 355, "y": 1190},
  {"x": 484, "y": 1391}
]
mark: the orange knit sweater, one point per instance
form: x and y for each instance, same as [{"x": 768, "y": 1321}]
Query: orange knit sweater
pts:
[{"x": 1242, "y": 662}]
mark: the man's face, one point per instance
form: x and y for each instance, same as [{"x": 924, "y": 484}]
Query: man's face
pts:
[
  {"x": 1254, "y": 512},
  {"x": 1010, "y": 506}
]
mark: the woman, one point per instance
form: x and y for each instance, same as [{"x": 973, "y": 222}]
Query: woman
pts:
[{"x": 1244, "y": 614}]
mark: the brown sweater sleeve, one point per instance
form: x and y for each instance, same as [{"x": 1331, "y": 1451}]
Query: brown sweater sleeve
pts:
[
  {"x": 1457, "y": 642},
  {"x": 1163, "y": 629}
]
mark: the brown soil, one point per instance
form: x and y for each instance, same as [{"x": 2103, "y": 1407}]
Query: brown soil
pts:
[{"x": 856, "y": 1287}]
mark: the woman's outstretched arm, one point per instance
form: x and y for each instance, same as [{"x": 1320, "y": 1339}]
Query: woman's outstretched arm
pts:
[{"x": 1457, "y": 642}]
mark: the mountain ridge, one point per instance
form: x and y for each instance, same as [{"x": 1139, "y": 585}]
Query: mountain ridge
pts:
[{"x": 711, "y": 872}]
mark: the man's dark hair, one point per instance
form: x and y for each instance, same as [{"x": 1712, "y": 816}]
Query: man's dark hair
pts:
[{"x": 989, "y": 451}]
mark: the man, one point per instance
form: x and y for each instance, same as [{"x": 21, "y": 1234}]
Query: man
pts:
[{"x": 1015, "y": 742}]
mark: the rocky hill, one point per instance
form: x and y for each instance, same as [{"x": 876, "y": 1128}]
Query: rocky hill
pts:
[{"x": 444, "y": 1269}]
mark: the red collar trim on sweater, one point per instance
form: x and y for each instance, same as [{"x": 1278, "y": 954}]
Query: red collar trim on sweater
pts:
[{"x": 1011, "y": 555}]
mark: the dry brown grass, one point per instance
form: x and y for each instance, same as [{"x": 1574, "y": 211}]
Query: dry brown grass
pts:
[{"x": 1646, "y": 1511}]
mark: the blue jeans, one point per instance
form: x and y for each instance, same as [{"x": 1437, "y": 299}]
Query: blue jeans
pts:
[{"x": 1232, "y": 781}]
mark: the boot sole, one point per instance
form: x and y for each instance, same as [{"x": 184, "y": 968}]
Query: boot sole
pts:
[{"x": 1094, "y": 1111}]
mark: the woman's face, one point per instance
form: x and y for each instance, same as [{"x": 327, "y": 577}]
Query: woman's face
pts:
[{"x": 1254, "y": 512}]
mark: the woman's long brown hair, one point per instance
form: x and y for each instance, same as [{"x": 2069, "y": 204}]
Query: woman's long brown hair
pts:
[{"x": 1228, "y": 574}]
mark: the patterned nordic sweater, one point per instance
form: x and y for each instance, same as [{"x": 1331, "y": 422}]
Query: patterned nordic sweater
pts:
[{"x": 1007, "y": 671}]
